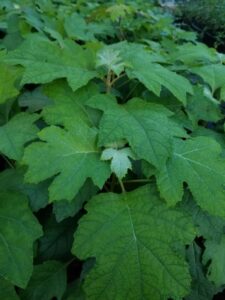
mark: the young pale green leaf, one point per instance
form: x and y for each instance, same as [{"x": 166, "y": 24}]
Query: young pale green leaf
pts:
[
  {"x": 127, "y": 229},
  {"x": 69, "y": 155},
  {"x": 8, "y": 76},
  {"x": 120, "y": 161},
  {"x": 197, "y": 162},
  {"x": 118, "y": 11},
  {"x": 19, "y": 229},
  {"x": 215, "y": 253},
  {"x": 7, "y": 290},
  {"x": 47, "y": 282},
  {"x": 145, "y": 126},
  {"x": 16, "y": 133},
  {"x": 111, "y": 60},
  {"x": 45, "y": 61}
]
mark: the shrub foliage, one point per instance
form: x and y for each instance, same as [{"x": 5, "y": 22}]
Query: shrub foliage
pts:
[{"x": 112, "y": 150}]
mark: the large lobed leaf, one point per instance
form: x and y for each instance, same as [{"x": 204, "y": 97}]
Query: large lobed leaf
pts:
[
  {"x": 143, "y": 262},
  {"x": 45, "y": 61},
  {"x": 70, "y": 155},
  {"x": 199, "y": 163}
]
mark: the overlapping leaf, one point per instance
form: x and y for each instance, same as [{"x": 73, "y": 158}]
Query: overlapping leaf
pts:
[
  {"x": 213, "y": 74},
  {"x": 216, "y": 255},
  {"x": 202, "y": 289},
  {"x": 145, "y": 126},
  {"x": 13, "y": 180},
  {"x": 7, "y": 290},
  {"x": 8, "y": 77},
  {"x": 34, "y": 100},
  {"x": 45, "y": 61},
  {"x": 19, "y": 229},
  {"x": 143, "y": 263},
  {"x": 208, "y": 226},
  {"x": 69, "y": 155},
  {"x": 194, "y": 54},
  {"x": 64, "y": 209},
  {"x": 67, "y": 106},
  {"x": 16, "y": 133},
  {"x": 151, "y": 74},
  {"x": 56, "y": 242},
  {"x": 48, "y": 281},
  {"x": 197, "y": 162},
  {"x": 202, "y": 106},
  {"x": 77, "y": 28}
]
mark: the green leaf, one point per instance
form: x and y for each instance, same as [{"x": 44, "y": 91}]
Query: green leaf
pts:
[
  {"x": 13, "y": 179},
  {"x": 64, "y": 209},
  {"x": 197, "y": 162},
  {"x": 16, "y": 133},
  {"x": 160, "y": 76},
  {"x": 217, "y": 136},
  {"x": 215, "y": 253},
  {"x": 140, "y": 123},
  {"x": 57, "y": 240},
  {"x": 118, "y": 11},
  {"x": 34, "y": 100},
  {"x": 8, "y": 77},
  {"x": 153, "y": 75},
  {"x": 74, "y": 291},
  {"x": 69, "y": 155},
  {"x": 202, "y": 106},
  {"x": 143, "y": 263},
  {"x": 194, "y": 54},
  {"x": 67, "y": 105},
  {"x": 7, "y": 290},
  {"x": 45, "y": 61},
  {"x": 48, "y": 281},
  {"x": 210, "y": 227},
  {"x": 213, "y": 74},
  {"x": 202, "y": 289},
  {"x": 120, "y": 162},
  {"x": 76, "y": 27},
  {"x": 19, "y": 229}
]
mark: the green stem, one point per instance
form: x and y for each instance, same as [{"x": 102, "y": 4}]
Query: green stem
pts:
[
  {"x": 108, "y": 82},
  {"x": 8, "y": 162},
  {"x": 122, "y": 185},
  {"x": 117, "y": 78},
  {"x": 137, "y": 180}
]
